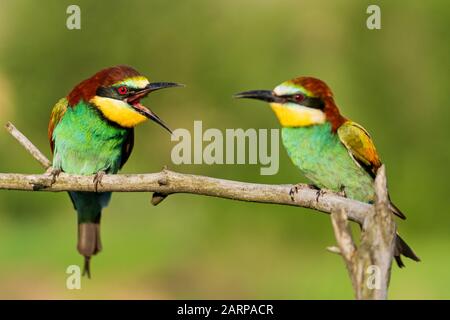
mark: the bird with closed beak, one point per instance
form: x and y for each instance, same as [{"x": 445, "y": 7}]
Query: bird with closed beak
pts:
[{"x": 331, "y": 150}]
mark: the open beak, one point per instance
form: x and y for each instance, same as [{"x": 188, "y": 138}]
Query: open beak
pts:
[
  {"x": 264, "y": 95},
  {"x": 134, "y": 100}
]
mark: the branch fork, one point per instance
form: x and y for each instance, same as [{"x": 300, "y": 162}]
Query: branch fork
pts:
[{"x": 369, "y": 265}]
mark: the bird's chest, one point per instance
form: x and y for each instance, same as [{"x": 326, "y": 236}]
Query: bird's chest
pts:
[
  {"x": 85, "y": 143},
  {"x": 323, "y": 159}
]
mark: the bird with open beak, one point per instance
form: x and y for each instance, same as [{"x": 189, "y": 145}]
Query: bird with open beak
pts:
[{"x": 91, "y": 133}]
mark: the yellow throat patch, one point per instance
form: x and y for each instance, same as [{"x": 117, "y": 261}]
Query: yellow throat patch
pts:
[
  {"x": 118, "y": 111},
  {"x": 297, "y": 116}
]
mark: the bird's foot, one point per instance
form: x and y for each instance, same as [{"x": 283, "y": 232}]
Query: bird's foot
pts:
[
  {"x": 293, "y": 191},
  {"x": 342, "y": 192},
  {"x": 53, "y": 173},
  {"x": 320, "y": 193},
  {"x": 98, "y": 179},
  {"x": 87, "y": 267}
]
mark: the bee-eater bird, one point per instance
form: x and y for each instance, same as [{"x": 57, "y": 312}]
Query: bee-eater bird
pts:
[
  {"x": 91, "y": 133},
  {"x": 332, "y": 151}
]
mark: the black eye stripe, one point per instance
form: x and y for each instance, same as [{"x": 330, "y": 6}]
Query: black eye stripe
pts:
[
  {"x": 310, "y": 102},
  {"x": 111, "y": 92},
  {"x": 316, "y": 103},
  {"x": 103, "y": 92}
]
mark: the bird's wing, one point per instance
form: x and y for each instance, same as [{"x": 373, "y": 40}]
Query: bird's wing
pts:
[
  {"x": 360, "y": 146},
  {"x": 127, "y": 147},
  {"x": 57, "y": 113}
]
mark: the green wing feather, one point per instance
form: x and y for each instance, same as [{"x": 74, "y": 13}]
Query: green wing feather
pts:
[{"x": 58, "y": 112}]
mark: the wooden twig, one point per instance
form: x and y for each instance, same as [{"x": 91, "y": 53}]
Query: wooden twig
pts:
[
  {"x": 343, "y": 234},
  {"x": 379, "y": 237},
  {"x": 378, "y": 227},
  {"x": 169, "y": 182},
  {"x": 35, "y": 152},
  {"x": 193, "y": 184},
  {"x": 369, "y": 265}
]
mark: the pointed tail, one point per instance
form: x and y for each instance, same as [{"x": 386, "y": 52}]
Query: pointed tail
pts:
[
  {"x": 89, "y": 243},
  {"x": 396, "y": 211},
  {"x": 401, "y": 248},
  {"x": 89, "y": 210}
]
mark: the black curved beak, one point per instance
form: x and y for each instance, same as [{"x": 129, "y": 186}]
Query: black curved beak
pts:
[
  {"x": 162, "y": 85},
  {"x": 263, "y": 95},
  {"x": 134, "y": 100},
  {"x": 152, "y": 87},
  {"x": 153, "y": 116},
  {"x": 149, "y": 114}
]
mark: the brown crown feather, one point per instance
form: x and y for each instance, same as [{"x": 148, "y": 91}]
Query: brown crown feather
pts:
[{"x": 87, "y": 88}]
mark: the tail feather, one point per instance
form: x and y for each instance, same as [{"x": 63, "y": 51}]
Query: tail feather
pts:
[
  {"x": 396, "y": 211},
  {"x": 89, "y": 243},
  {"x": 402, "y": 248},
  {"x": 87, "y": 267}
]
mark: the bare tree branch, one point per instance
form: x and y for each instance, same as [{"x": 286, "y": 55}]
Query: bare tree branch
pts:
[
  {"x": 169, "y": 182},
  {"x": 35, "y": 152},
  {"x": 378, "y": 227},
  {"x": 347, "y": 247},
  {"x": 175, "y": 182},
  {"x": 369, "y": 266}
]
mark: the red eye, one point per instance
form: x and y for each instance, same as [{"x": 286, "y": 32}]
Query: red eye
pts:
[
  {"x": 299, "y": 97},
  {"x": 122, "y": 90}
]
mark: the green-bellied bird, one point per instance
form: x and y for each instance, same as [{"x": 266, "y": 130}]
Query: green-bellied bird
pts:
[
  {"x": 332, "y": 151},
  {"x": 91, "y": 133}
]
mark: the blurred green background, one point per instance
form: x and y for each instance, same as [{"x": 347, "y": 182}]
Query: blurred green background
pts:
[{"x": 393, "y": 81}]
